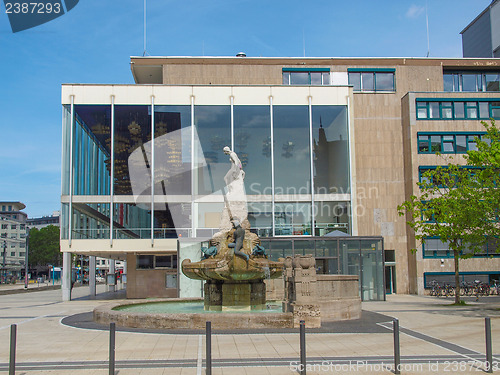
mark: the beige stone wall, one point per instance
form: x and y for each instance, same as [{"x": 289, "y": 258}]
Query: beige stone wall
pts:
[
  {"x": 203, "y": 74},
  {"x": 147, "y": 283}
]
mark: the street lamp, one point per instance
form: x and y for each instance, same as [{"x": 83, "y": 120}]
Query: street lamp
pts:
[
  {"x": 4, "y": 260},
  {"x": 26, "y": 258}
]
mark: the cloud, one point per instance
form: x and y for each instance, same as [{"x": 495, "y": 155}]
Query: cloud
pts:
[{"x": 414, "y": 11}]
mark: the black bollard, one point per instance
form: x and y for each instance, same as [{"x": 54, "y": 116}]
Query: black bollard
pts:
[
  {"x": 208, "y": 346},
  {"x": 302, "y": 347},
  {"x": 12, "y": 360},
  {"x": 112, "y": 330},
  {"x": 397, "y": 353},
  {"x": 489, "y": 352}
]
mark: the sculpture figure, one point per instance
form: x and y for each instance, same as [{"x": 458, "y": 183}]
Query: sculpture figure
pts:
[
  {"x": 239, "y": 236},
  {"x": 236, "y": 171},
  {"x": 235, "y": 263}
]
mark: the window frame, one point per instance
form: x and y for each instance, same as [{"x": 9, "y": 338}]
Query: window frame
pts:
[
  {"x": 480, "y": 80},
  {"x": 423, "y": 105},
  {"x": 374, "y": 72},
  {"x": 288, "y": 72},
  {"x": 469, "y": 136}
]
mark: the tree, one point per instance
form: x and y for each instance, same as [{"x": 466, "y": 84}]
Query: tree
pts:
[
  {"x": 44, "y": 247},
  {"x": 459, "y": 204}
]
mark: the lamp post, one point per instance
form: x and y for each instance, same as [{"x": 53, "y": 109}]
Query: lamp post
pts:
[
  {"x": 4, "y": 260},
  {"x": 26, "y": 258}
]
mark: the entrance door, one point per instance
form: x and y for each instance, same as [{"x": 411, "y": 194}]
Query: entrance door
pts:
[{"x": 390, "y": 279}]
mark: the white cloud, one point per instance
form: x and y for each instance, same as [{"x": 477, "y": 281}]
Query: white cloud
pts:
[{"x": 414, "y": 11}]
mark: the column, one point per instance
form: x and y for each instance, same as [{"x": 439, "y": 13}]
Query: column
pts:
[
  {"x": 111, "y": 288},
  {"x": 92, "y": 284},
  {"x": 66, "y": 277},
  {"x": 124, "y": 274}
]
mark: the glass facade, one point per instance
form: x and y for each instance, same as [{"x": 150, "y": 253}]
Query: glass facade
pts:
[
  {"x": 115, "y": 156},
  {"x": 362, "y": 256}
]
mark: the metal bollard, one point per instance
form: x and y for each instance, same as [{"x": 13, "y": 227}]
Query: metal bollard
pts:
[
  {"x": 208, "y": 346},
  {"x": 112, "y": 330},
  {"x": 302, "y": 347},
  {"x": 397, "y": 353},
  {"x": 12, "y": 360},
  {"x": 489, "y": 352}
]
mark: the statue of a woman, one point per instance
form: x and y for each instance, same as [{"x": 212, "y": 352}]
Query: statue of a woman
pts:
[{"x": 236, "y": 171}]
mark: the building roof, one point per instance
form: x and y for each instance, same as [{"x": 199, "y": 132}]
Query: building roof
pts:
[
  {"x": 18, "y": 205},
  {"x": 493, "y": 2},
  {"x": 149, "y": 69}
]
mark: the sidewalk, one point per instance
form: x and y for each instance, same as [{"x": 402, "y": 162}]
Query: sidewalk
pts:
[{"x": 431, "y": 334}]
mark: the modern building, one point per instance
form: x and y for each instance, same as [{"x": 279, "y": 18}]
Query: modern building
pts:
[
  {"x": 44, "y": 221},
  {"x": 12, "y": 239},
  {"x": 481, "y": 38},
  {"x": 329, "y": 146}
]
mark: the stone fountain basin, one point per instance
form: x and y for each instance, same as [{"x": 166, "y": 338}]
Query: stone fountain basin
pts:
[{"x": 106, "y": 314}]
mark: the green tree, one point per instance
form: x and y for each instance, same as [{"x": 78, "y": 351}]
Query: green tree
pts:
[
  {"x": 44, "y": 247},
  {"x": 459, "y": 205}
]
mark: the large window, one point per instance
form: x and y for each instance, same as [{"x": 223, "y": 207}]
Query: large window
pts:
[
  {"x": 372, "y": 80},
  {"x": 306, "y": 76},
  {"x": 132, "y": 136},
  {"x": 447, "y": 143},
  {"x": 213, "y": 125},
  {"x": 433, "y": 247},
  {"x": 252, "y": 143},
  {"x": 331, "y": 149},
  {"x": 453, "y": 109},
  {"x": 471, "y": 81},
  {"x": 292, "y": 163},
  {"x": 92, "y": 150}
]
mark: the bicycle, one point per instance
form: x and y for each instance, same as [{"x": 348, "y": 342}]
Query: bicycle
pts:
[
  {"x": 448, "y": 290},
  {"x": 436, "y": 289}
]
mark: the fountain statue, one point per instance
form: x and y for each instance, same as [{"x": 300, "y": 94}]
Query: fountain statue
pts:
[{"x": 235, "y": 264}]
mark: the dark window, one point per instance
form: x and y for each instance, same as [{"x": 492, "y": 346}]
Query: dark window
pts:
[
  {"x": 166, "y": 261},
  {"x": 145, "y": 262}
]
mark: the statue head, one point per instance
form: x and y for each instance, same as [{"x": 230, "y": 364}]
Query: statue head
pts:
[
  {"x": 226, "y": 150},
  {"x": 236, "y": 223}
]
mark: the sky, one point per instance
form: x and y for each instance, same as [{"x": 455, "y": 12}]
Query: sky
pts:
[{"x": 94, "y": 41}]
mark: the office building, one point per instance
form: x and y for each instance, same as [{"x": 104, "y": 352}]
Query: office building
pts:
[
  {"x": 12, "y": 240},
  {"x": 329, "y": 146}
]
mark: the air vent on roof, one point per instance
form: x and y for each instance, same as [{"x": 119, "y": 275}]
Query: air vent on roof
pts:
[{"x": 241, "y": 54}]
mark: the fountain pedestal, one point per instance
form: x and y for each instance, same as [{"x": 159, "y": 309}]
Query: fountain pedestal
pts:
[{"x": 227, "y": 295}]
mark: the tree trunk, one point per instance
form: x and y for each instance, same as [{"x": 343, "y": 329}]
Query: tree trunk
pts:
[{"x": 457, "y": 277}]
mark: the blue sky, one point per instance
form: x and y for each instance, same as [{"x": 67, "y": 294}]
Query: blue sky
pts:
[{"x": 94, "y": 41}]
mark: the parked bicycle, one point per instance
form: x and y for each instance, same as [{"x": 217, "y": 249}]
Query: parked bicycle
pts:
[{"x": 436, "y": 289}]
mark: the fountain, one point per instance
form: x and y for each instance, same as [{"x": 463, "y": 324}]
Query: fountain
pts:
[
  {"x": 235, "y": 263},
  {"x": 234, "y": 269}
]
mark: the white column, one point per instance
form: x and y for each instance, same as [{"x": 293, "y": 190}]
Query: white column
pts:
[
  {"x": 111, "y": 288},
  {"x": 92, "y": 276},
  {"x": 66, "y": 277},
  {"x": 124, "y": 273}
]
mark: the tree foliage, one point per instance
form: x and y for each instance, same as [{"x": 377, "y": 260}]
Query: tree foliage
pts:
[
  {"x": 459, "y": 204},
  {"x": 44, "y": 247}
]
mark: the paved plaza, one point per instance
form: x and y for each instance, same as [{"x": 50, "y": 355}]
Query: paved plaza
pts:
[{"x": 435, "y": 339}]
